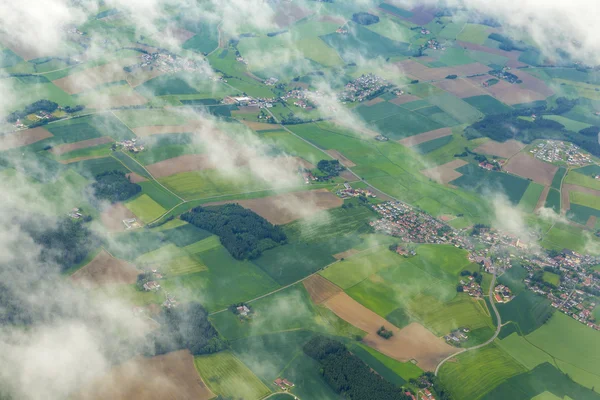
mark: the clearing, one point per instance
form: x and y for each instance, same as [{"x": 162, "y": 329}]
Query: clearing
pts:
[
  {"x": 413, "y": 342},
  {"x": 531, "y": 168},
  {"x": 104, "y": 270},
  {"x": 168, "y": 376}
]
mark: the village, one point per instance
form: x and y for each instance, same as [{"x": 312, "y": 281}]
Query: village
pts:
[
  {"x": 348, "y": 192},
  {"x": 363, "y": 88},
  {"x": 131, "y": 145},
  {"x": 558, "y": 151},
  {"x": 164, "y": 62}
]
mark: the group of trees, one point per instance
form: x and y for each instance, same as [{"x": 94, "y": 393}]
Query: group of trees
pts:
[
  {"x": 365, "y": 18},
  {"x": 114, "y": 186},
  {"x": 330, "y": 167},
  {"x": 347, "y": 374},
  {"x": 40, "y": 105},
  {"x": 186, "y": 327},
  {"x": 243, "y": 233},
  {"x": 429, "y": 380},
  {"x": 507, "y": 43}
]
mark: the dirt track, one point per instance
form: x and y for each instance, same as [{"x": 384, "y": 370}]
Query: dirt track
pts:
[{"x": 413, "y": 342}]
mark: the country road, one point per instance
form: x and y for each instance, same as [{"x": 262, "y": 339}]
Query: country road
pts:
[{"x": 490, "y": 340}]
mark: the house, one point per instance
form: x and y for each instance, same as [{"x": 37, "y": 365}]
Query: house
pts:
[
  {"x": 243, "y": 310},
  {"x": 151, "y": 286}
]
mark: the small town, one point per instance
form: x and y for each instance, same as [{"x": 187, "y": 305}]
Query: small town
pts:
[
  {"x": 363, "y": 88},
  {"x": 165, "y": 62},
  {"x": 558, "y": 151}
]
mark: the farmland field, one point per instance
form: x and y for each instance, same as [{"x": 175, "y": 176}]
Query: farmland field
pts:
[
  {"x": 567, "y": 236},
  {"x": 553, "y": 200},
  {"x": 528, "y": 310},
  {"x": 585, "y": 199},
  {"x": 146, "y": 209},
  {"x": 558, "y": 177},
  {"x": 228, "y": 376},
  {"x": 477, "y": 372},
  {"x": 477, "y": 179},
  {"x": 531, "y": 196},
  {"x": 575, "y": 178},
  {"x": 487, "y": 104}
]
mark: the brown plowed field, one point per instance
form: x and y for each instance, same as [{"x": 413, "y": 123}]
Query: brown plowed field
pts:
[
  {"x": 65, "y": 148},
  {"x": 168, "y": 376},
  {"x": 105, "y": 270},
  {"x": 414, "y": 342},
  {"x": 135, "y": 178},
  {"x": 345, "y": 254},
  {"x": 186, "y": 163},
  {"x": 531, "y": 168},
  {"x": 341, "y": 158},
  {"x": 532, "y": 83},
  {"x": 144, "y": 131},
  {"x": 288, "y": 13},
  {"x": 320, "y": 289},
  {"x": 284, "y": 208},
  {"x": 500, "y": 149},
  {"x": 446, "y": 172},
  {"x": 513, "y": 94},
  {"x": 23, "y": 138},
  {"x": 92, "y": 77},
  {"x": 425, "y": 137},
  {"x": 112, "y": 218},
  {"x": 405, "y": 98},
  {"x": 460, "y": 87}
]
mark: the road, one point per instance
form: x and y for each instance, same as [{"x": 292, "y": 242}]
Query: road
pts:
[{"x": 490, "y": 340}]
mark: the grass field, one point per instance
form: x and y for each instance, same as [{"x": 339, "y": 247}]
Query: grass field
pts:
[
  {"x": 553, "y": 200},
  {"x": 457, "y": 108},
  {"x": 567, "y": 236},
  {"x": 528, "y": 310},
  {"x": 131, "y": 164},
  {"x": 576, "y": 178},
  {"x": 524, "y": 352},
  {"x": 294, "y": 146},
  {"x": 224, "y": 282},
  {"x": 473, "y": 33},
  {"x": 569, "y": 124},
  {"x": 146, "y": 209},
  {"x": 477, "y": 372},
  {"x": 159, "y": 194},
  {"x": 98, "y": 166},
  {"x": 229, "y": 377},
  {"x": 551, "y": 278},
  {"x": 585, "y": 199},
  {"x": 513, "y": 278},
  {"x": 488, "y": 105},
  {"x": 405, "y": 370},
  {"x": 531, "y": 196},
  {"x": 433, "y": 145},
  {"x": 558, "y": 177},
  {"x": 580, "y": 350},
  {"x": 544, "y": 382},
  {"x": 581, "y": 214}
]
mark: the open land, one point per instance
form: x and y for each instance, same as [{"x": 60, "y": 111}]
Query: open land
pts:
[
  {"x": 168, "y": 376},
  {"x": 500, "y": 149},
  {"x": 67, "y": 147},
  {"x": 531, "y": 168},
  {"x": 185, "y": 163},
  {"x": 320, "y": 289},
  {"x": 104, "y": 269},
  {"x": 341, "y": 158},
  {"x": 445, "y": 173},
  {"x": 425, "y": 137},
  {"x": 413, "y": 342},
  {"x": 23, "y": 138},
  {"x": 92, "y": 77},
  {"x": 143, "y": 131},
  {"x": 112, "y": 218}
]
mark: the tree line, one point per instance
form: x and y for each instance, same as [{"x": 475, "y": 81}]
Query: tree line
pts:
[
  {"x": 242, "y": 232},
  {"x": 347, "y": 374}
]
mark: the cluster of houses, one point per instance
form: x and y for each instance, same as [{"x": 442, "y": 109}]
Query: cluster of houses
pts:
[
  {"x": 457, "y": 336},
  {"x": 410, "y": 225},
  {"x": 502, "y": 294},
  {"x": 301, "y": 98},
  {"x": 433, "y": 44},
  {"x": 556, "y": 151},
  {"x": 170, "y": 301},
  {"x": 151, "y": 286},
  {"x": 307, "y": 176},
  {"x": 348, "y": 191},
  {"x": 363, "y": 88},
  {"x": 166, "y": 62},
  {"x": 283, "y": 384},
  {"x": 271, "y": 81},
  {"x": 505, "y": 75},
  {"x": 243, "y": 310},
  {"x": 471, "y": 287},
  {"x": 241, "y": 59},
  {"x": 490, "y": 166},
  {"x": 131, "y": 145},
  {"x": 75, "y": 213},
  {"x": 247, "y": 101},
  {"x": 579, "y": 307}
]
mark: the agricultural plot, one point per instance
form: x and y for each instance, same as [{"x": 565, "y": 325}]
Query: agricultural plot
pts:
[
  {"x": 524, "y": 352},
  {"x": 205, "y": 41},
  {"x": 425, "y": 137},
  {"x": 405, "y": 123},
  {"x": 591, "y": 200},
  {"x": 544, "y": 382},
  {"x": 457, "y": 108},
  {"x": 406, "y": 370},
  {"x": 293, "y": 146},
  {"x": 531, "y": 196},
  {"x": 368, "y": 43},
  {"x": 513, "y": 278},
  {"x": 531, "y": 168},
  {"x": 475, "y": 373},
  {"x": 173, "y": 376},
  {"x": 106, "y": 270},
  {"x": 487, "y": 105},
  {"x": 462, "y": 88},
  {"x": 32, "y": 89},
  {"x": 23, "y": 138},
  {"x": 583, "y": 215},
  {"x": 558, "y": 178},
  {"x": 163, "y": 197},
  {"x": 479, "y": 180},
  {"x": 576, "y": 178},
  {"x": 97, "y": 166},
  {"x": 528, "y": 310},
  {"x": 229, "y": 377},
  {"x": 553, "y": 200},
  {"x": 473, "y": 33},
  {"x": 500, "y": 149},
  {"x": 432, "y": 145},
  {"x": 567, "y": 236},
  {"x": 146, "y": 209},
  {"x": 214, "y": 287}
]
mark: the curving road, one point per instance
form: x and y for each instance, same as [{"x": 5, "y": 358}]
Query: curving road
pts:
[{"x": 490, "y": 340}]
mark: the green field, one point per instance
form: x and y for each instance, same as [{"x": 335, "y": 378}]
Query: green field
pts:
[
  {"x": 488, "y": 105},
  {"x": 476, "y": 373},
  {"x": 457, "y": 108},
  {"x": 528, "y": 310},
  {"x": 433, "y": 145},
  {"x": 131, "y": 164},
  {"x": 558, "y": 177},
  {"x": 146, "y": 209},
  {"x": 406, "y": 370},
  {"x": 99, "y": 165},
  {"x": 513, "y": 278},
  {"x": 159, "y": 194},
  {"x": 224, "y": 282},
  {"x": 581, "y": 214},
  {"x": 524, "y": 352},
  {"x": 551, "y": 278},
  {"x": 294, "y": 146},
  {"x": 585, "y": 199},
  {"x": 569, "y": 124},
  {"x": 227, "y": 376},
  {"x": 102, "y": 150},
  {"x": 576, "y": 178},
  {"x": 473, "y": 33},
  {"x": 553, "y": 200},
  {"x": 567, "y": 236},
  {"x": 531, "y": 196}
]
